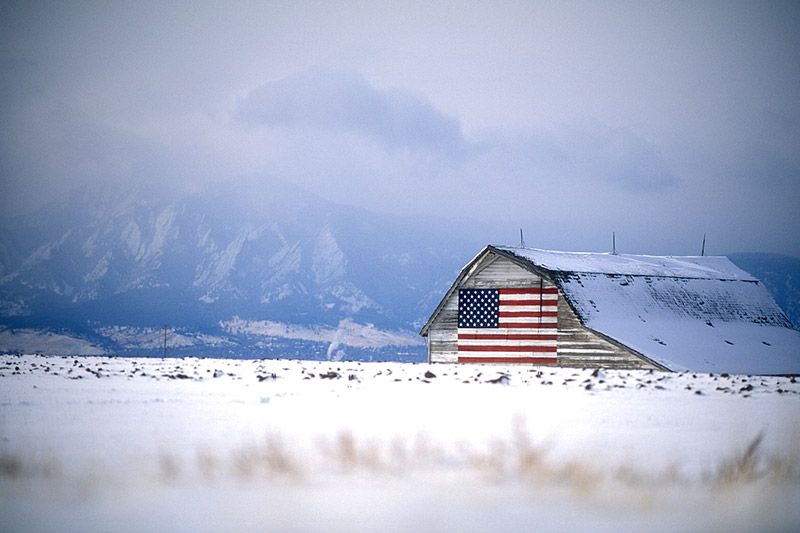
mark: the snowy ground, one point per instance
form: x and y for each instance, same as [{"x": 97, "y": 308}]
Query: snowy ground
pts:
[{"x": 106, "y": 444}]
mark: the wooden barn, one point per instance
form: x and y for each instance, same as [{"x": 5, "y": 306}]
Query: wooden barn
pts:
[{"x": 523, "y": 305}]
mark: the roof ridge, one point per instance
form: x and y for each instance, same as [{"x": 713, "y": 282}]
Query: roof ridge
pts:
[
  {"x": 717, "y": 267},
  {"x": 609, "y": 254}
]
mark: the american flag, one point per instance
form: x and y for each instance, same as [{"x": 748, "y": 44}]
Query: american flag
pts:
[{"x": 511, "y": 325}]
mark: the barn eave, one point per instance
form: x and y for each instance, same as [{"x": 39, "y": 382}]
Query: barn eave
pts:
[
  {"x": 461, "y": 275},
  {"x": 467, "y": 270}
]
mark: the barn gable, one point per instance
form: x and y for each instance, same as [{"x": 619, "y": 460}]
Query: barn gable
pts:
[
  {"x": 494, "y": 268},
  {"x": 677, "y": 313},
  {"x": 484, "y": 271}
]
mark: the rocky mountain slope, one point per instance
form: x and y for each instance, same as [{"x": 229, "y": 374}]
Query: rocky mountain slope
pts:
[
  {"x": 780, "y": 274},
  {"x": 282, "y": 266}
]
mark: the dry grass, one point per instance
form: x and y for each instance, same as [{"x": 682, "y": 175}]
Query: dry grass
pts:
[
  {"x": 169, "y": 468},
  {"x": 521, "y": 458},
  {"x": 344, "y": 452},
  {"x": 10, "y": 466},
  {"x": 15, "y": 467},
  {"x": 272, "y": 457},
  {"x": 514, "y": 458},
  {"x": 751, "y": 464},
  {"x": 208, "y": 464},
  {"x": 741, "y": 467}
]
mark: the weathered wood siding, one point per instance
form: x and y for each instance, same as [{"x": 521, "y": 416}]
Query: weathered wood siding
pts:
[
  {"x": 577, "y": 345},
  {"x": 580, "y": 347}
]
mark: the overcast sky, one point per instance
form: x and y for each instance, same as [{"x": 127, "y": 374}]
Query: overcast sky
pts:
[{"x": 660, "y": 121}]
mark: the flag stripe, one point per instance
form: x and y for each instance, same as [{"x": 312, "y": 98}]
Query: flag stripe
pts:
[
  {"x": 509, "y": 314},
  {"x": 531, "y": 325},
  {"x": 504, "y": 348},
  {"x": 549, "y": 300},
  {"x": 528, "y": 290},
  {"x": 504, "y": 303},
  {"x": 504, "y": 342},
  {"x": 529, "y": 308},
  {"x": 514, "y": 325},
  {"x": 509, "y": 336},
  {"x": 537, "y": 319},
  {"x": 546, "y": 329},
  {"x": 510, "y": 355},
  {"x": 531, "y": 360}
]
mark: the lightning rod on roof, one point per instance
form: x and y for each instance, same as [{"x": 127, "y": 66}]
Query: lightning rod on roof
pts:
[
  {"x": 521, "y": 239},
  {"x": 613, "y": 243},
  {"x": 703, "y": 248}
]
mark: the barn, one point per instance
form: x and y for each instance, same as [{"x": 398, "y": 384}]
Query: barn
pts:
[{"x": 583, "y": 309}]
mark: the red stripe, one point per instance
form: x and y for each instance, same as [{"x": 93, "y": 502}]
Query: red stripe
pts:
[
  {"x": 529, "y": 291},
  {"x": 529, "y": 314},
  {"x": 527, "y": 302},
  {"x": 530, "y": 325},
  {"x": 506, "y": 337},
  {"x": 531, "y": 349},
  {"x": 535, "y": 360}
]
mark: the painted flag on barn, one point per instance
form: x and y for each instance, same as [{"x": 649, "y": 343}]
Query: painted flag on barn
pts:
[{"x": 508, "y": 325}]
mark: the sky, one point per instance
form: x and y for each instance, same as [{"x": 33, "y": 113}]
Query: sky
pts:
[{"x": 660, "y": 121}]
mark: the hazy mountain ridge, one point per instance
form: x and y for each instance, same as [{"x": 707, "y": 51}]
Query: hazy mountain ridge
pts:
[
  {"x": 780, "y": 274},
  {"x": 193, "y": 262}
]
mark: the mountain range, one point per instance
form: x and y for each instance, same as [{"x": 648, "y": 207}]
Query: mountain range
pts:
[
  {"x": 268, "y": 271},
  {"x": 263, "y": 271}
]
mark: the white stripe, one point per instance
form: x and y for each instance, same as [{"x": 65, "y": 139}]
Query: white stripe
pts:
[
  {"x": 503, "y": 342},
  {"x": 563, "y": 342},
  {"x": 550, "y": 308},
  {"x": 544, "y": 297},
  {"x": 532, "y": 319},
  {"x": 507, "y": 324},
  {"x": 581, "y": 350},
  {"x": 507, "y": 354},
  {"x": 509, "y": 331}
]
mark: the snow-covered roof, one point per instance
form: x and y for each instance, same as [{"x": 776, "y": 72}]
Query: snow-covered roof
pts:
[
  {"x": 705, "y": 267},
  {"x": 686, "y": 313}
]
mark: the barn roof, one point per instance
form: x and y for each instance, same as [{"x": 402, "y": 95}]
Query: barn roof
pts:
[
  {"x": 685, "y": 313},
  {"x": 695, "y": 267}
]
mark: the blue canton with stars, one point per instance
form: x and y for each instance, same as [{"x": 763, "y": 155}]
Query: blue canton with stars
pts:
[{"x": 478, "y": 308}]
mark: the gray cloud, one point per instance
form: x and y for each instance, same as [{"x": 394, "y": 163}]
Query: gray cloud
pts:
[
  {"x": 318, "y": 106},
  {"x": 334, "y": 100},
  {"x": 659, "y": 121},
  {"x": 624, "y": 159}
]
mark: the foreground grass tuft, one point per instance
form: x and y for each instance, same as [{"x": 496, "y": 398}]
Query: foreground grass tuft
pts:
[{"x": 751, "y": 465}]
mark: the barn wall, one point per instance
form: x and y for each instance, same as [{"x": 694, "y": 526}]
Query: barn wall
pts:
[
  {"x": 581, "y": 347},
  {"x": 577, "y": 346}
]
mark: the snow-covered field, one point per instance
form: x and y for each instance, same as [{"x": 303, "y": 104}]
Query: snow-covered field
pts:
[{"x": 112, "y": 444}]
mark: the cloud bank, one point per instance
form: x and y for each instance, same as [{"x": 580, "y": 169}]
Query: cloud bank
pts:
[{"x": 660, "y": 122}]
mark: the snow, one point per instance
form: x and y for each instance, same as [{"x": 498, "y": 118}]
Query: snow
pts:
[
  {"x": 686, "y": 313},
  {"x": 150, "y": 338},
  {"x": 705, "y": 267},
  {"x": 328, "y": 262},
  {"x": 100, "y": 269},
  {"x": 285, "y": 262},
  {"x": 163, "y": 229},
  {"x": 39, "y": 341},
  {"x": 221, "y": 263},
  {"x": 132, "y": 237},
  {"x": 351, "y": 299},
  {"x": 690, "y": 324},
  {"x": 347, "y": 332},
  {"x": 113, "y": 444}
]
